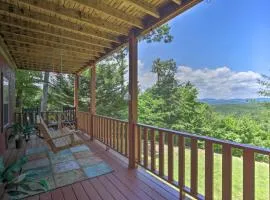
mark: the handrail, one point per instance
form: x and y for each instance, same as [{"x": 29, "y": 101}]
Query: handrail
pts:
[{"x": 257, "y": 149}]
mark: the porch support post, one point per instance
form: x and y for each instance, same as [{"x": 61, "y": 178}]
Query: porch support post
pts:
[
  {"x": 133, "y": 98},
  {"x": 76, "y": 97},
  {"x": 93, "y": 99}
]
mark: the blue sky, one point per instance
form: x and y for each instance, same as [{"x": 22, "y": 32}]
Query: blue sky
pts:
[{"x": 216, "y": 35}]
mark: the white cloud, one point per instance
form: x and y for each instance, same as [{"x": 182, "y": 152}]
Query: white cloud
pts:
[
  {"x": 219, "y": 83},
  {"x": 146, "y": 78}
]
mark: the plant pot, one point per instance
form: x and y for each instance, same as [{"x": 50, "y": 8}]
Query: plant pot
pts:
[
  {"x": 2, "y": 190},
  {"x": 18, "y": 143}
]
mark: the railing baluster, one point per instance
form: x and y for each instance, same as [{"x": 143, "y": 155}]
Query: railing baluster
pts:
[
  {"x": 170, "y": 157},
  {"x": 105, "y": 130},
  {"x": 139, "y": 144},
  {"x": 145, "y": 148},
  {"x": 121, "y": 137},
  {"x": 110, "y": 134},
  {"x": 126, "y": 140},
  {"x": 226, "y": 172},
  {"x": 248, "y": 175},
  {"x": 181, "y": 166},
  {"x": 114, "y": 135},
  {"x": 194, "y": 166},
  {"x": 208, "y": 170},
  {"x": 161, "y": 153},
  {"x": 117, "y": 135},
  {"x": 153, "y": 150}
]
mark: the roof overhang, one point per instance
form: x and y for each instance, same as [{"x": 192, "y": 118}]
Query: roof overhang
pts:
[{"x": 68, "y": 36}]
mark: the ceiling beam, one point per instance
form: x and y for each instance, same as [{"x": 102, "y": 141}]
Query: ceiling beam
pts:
[
  {"x": 38, "y": 39},
  {"x": 63, "y": 65},
  {"x": 26, "y": 42},
  {"x": 67, "y": 14},
  {"x": 109, "y": 11},
  {"x": 51, "y": 21},
  {"x": 49, "y": 52},
  {"x": 144, "y": 7},
  {"x": 6, "y": 54},
  {"x": 12, "y": 24},
  {"x": 45, "y": 69},
  {"x": 47, "y": 57}
]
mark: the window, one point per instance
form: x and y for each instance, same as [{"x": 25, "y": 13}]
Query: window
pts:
[{"x": 5, "y": 101}]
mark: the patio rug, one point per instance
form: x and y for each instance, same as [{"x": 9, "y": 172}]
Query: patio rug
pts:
[{"x": 65, "y": 167}]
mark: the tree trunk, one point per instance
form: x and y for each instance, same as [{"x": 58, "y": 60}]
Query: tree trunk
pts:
[
  {"x": 19, "y": 100},
  {"x": 44, "y": 98}
]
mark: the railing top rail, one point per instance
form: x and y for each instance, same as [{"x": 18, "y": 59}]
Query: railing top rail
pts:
[
  {"x": 83, "y": 112},
  {"x": 257, "y": 149},
  {"x": 111, "y": 118}
]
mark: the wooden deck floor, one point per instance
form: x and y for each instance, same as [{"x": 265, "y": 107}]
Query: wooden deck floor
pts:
[{"x": 120, "y": 184}]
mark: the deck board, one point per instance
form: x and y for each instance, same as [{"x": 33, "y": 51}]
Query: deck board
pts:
[{"x": 121, "y": 184}]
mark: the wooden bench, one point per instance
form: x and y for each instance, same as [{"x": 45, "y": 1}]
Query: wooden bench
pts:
[{"x": 58, "y": 139}]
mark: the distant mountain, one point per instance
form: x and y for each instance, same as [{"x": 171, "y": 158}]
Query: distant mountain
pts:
[{"x": 233, "y": 101}]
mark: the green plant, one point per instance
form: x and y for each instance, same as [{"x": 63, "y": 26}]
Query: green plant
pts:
[
  {"x": 16, "y": 131},
  {"x": 17, "y": 184}
]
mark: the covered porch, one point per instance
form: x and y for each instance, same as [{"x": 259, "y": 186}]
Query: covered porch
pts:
[{"x": 69, "y": 37}]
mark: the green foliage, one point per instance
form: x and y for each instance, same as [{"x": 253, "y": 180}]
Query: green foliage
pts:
[
  {"x": 60, "y": 91},
  {"x": 111, "y": 87},
  {"x": 28, "y": 92},
  {"x": 159, "y": 34},
  {"x": 19, "y": 184}
]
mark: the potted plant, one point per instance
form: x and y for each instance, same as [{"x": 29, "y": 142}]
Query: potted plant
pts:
[
  {"x": 15, "y": 132},
  {"x": 16, "y": 185}
]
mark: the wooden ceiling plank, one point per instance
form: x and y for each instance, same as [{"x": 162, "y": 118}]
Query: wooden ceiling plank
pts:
[
  {"x": 49, "y": 51},
  {"x": 144, "y": 7},
  {"x": 38, "y": 18},
  {"x": 109, "y": 11},
  {"x": 57, "y": 33},
  {"x": 46, "y": 69},
  {"x": 69, "y": 15},
  {"x": 39, "y": 43},
  {"x": 37, "y": 39},
  {"x": 47, "y": 57}
]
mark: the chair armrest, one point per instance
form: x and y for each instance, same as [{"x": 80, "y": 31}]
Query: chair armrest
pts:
[{"x": 61, "y": 136}]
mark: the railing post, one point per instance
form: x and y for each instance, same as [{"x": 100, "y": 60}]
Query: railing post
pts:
[
  {"x": 93, "y": 99},
  {"x": 133, "y": 97}
]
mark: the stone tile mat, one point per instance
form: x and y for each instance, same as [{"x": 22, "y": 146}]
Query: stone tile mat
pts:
[{"x": 65, "y": 167}]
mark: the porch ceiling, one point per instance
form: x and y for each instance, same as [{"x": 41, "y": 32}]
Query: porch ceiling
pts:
[{"x": 69, "y": 35}]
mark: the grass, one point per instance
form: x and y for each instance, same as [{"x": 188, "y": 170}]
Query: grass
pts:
[{"x": 261, "y": 175}]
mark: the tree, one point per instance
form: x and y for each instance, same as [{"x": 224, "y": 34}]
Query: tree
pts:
[
  {"x": 60, "y": 91},
  {"x": 28, "y": 91},
  {"x": 44, "y": 98},
  {"x": 265, "y": 84},
  {"x": 159, "y": 34}
]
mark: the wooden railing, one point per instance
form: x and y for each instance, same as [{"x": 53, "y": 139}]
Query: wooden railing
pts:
[
  {"x": 84, "y": 121},
  {"x": 156, "y": 149},
  {"x": 151, "y": 147},
  {"x": 112, "y": 132},
  {"x": 30, "y": 117}
]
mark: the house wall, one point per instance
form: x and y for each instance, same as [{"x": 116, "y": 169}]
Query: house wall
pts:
[{"x": 8, "y": 73}]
